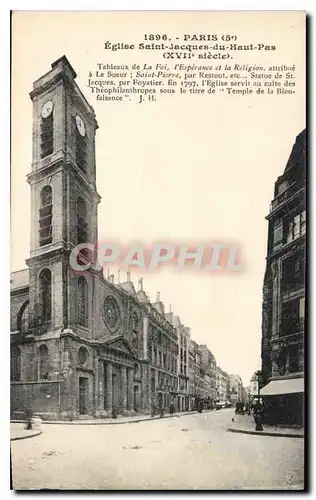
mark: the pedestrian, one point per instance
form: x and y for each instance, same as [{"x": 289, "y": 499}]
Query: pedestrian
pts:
[
  {"x": 28, "y": 417},
  {"x": 258, "y": 417},
  {"x": 153, "y": 410},
  {"x": 171, "y": 408}
]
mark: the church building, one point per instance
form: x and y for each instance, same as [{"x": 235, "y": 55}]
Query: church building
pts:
[{"x": 81, "y": 345}]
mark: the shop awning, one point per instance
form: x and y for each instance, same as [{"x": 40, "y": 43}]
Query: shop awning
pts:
[{"x": 285, "y": 386}]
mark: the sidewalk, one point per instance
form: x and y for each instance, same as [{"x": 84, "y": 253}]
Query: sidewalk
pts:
[
  {"x": 245, "y": 424},
  {"x": 18, "y": 431},
  {"x": 112, "y": 421}
]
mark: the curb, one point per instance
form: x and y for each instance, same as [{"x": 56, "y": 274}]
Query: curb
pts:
[
  {"x": 83, "y": 422},
  {"x": 264, "y": 433},
  {"x": 27, "y": 436}
]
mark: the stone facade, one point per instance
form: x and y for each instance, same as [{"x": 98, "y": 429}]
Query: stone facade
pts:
[
  {"x": 182, "y": 402},
  {"x": 222, "y": 385},
  {"x": 283, "y": 308},
  {"x": 207, "y": 381},
  {"x": 209, "y": 369}
]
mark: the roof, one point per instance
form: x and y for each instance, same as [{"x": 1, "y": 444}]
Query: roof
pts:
[
  {"x": 104, "y": 339},
  {"x": 128, "y": 287},
  {"x": 19, "y": 279},
  {"x": 118, "y": 342},
  {"x": 298, "y": 150}
]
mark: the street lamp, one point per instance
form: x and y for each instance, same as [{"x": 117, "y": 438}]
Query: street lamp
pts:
[
  {"x": 258, "y": 412},
  {"x": 258, "y": 376}
]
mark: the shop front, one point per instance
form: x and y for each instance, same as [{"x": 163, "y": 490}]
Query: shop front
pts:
[{"x": 284, "y": 402}]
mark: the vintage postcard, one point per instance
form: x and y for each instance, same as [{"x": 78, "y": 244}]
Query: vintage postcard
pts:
[{"x": 158, "y": 236}]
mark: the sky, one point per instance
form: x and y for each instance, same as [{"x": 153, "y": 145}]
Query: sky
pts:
[{"x": 183, "y": 169}]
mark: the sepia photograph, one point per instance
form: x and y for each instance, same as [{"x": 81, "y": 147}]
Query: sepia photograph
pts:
[{"x": 158, "y": 250}]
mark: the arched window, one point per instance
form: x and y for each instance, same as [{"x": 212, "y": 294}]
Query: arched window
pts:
[
  {"x": 82, "y": 229},
  {"x": 43, "y": 363},
  {"x": 46, "y": 196},
  {"x": 23, "y": 317},
  {"x": 15, "y": 364},
  {"x": 82, "y": 302},
  {"x": 46, "y": 294},
  {"x": 135, "y": 326},
  {"x": 80, "y": 144},
  {"x": 82, "y": 224},
  {"x": 47, "y": 131},
  {"x": 46, "y": 216}
]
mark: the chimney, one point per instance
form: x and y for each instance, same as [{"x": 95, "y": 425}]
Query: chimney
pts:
[{"x": 140, "y": 284}]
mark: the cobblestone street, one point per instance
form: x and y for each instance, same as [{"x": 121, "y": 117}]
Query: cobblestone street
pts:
[{"x": 189, "y": 452}]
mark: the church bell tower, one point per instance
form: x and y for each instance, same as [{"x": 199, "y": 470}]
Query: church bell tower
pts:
[{"x": 64, "y": 199}]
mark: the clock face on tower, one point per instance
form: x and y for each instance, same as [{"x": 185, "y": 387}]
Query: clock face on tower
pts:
[
  {"x": 111, "y": 313},
  {"x": 80, "y": 126},
  {"x": 47, "y": 109}
]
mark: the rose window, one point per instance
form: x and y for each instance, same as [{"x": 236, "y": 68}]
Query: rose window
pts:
[{"x": 111, "y": 313}]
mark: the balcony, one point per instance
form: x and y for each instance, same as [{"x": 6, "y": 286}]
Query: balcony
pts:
[{"x": 282, "y": 198}]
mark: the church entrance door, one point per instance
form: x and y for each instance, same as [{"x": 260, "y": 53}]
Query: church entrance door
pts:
[{"x": 83, "y": 395}]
